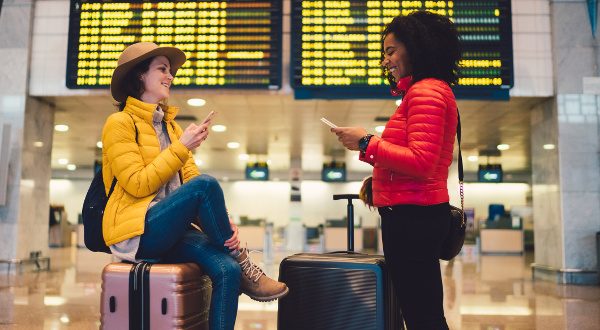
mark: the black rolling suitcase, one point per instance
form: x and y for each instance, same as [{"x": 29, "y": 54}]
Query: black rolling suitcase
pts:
[{"x": 339, "y": 290}]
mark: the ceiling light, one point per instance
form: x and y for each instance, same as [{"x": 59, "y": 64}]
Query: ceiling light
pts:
[
  {"x": 398, "y": 102},
  {"x": 38, "y": 144},
  {"x": 244, "y": 157},
  {"x": 379, "y": 129},
  {"x": 71, "y": 167},
  {"x": 473, "y": 158},
  {"x": 63, "y": 161},
  {"x": 198, "y": 161},
  {"x": 196, "y": 102},
  {"x": 219, "y": 128},
  {"x": 269, "y": 162},
  {"x": 503, "y": 147},
  {"x": 99, "y": 144},
  {"x": 549, "y": 146},
  {"x": 61, "y": 128},
  {"x": 233, "y": 145}
]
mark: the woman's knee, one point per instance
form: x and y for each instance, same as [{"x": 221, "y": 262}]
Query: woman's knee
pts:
[{"x": 205, "y": 183}]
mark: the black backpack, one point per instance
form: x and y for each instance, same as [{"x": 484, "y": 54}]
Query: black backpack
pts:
[
  {"x": 93, "y": 210},
  {"x": 92, "y": 213}
]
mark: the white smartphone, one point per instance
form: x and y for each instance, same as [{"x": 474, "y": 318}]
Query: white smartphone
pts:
[
  {"x": 208, "y": 117},
  {"x": 328, "y": 123}
]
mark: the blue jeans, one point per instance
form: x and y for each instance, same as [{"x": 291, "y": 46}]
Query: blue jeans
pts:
[{"x": 169, "y": 237}]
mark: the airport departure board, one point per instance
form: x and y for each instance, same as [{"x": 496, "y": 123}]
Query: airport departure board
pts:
[
  {"x": 336, "y": 46},
  {"x": 229, "y": 44}
]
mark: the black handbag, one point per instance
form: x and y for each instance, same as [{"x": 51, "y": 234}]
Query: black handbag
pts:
[
  {"x": 455, "y": 238},
  {"x": 92, "y": 213}
]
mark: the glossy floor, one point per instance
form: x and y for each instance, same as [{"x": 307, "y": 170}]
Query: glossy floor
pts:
[{"x": 481, "y": 292}]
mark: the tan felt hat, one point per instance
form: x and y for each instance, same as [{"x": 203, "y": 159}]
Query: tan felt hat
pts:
[{"x": 135, "y": 54}]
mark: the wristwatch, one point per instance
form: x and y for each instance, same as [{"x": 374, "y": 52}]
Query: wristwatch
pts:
[{"x": 363, "y": 143}]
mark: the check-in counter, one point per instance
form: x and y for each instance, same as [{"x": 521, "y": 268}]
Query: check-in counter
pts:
[
  {"x": 336, "y": 239},
  {"x": 502, "y": 241}
]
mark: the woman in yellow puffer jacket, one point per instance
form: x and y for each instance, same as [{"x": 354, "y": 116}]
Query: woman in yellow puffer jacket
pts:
[{"x": 160, "y": 192}]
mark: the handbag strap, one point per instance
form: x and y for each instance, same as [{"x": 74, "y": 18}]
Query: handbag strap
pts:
[{"x": 461, "y": 174}]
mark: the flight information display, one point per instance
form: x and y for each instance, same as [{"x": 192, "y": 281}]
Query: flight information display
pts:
[
  {"x": 336, "y": 46},
  {"x": 235, "y": 43}
]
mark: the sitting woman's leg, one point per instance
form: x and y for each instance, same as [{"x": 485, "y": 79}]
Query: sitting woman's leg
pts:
[
  {"x": 224, "y": 272},
  {"x": 202, "y": 198},
  {"x": 170, "y": 218}
]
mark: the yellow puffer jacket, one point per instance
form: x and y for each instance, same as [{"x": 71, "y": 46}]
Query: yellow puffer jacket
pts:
[{"x": 140, "y": 167}]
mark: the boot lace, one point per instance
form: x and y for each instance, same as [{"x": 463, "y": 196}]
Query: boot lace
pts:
[{"x": 251, "y": 269}]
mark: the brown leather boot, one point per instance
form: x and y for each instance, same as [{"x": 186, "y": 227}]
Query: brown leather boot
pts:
[{"x": 255, "y": 283}]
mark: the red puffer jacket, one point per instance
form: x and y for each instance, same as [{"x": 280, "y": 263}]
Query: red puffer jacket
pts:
[{"x": 412, "y": 157}]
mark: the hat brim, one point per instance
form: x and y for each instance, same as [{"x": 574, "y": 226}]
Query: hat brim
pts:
[{"x": 176, "y": 59}]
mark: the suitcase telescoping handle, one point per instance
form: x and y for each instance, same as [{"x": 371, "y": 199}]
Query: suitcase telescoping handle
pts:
[{"x": 350, "y": 207}]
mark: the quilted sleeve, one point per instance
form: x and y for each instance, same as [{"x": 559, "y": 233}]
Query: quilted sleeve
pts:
[
  {"x": 425, "y": 133},
  {"x": 127, "y": 164}
]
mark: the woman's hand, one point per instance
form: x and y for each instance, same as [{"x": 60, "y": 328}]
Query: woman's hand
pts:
[
  {"x": 233, "y": 243},
  {"x": 194, "y": 135},
  {"x": 349, "y": 136}
]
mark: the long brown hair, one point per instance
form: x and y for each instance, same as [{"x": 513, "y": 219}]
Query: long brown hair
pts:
[
  {"x": 366, "y": 192},
  {"x": 133, "y": 84}
]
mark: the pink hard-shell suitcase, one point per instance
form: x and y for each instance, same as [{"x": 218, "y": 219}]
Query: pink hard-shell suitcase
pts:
[{"x": 154, "y": 296}]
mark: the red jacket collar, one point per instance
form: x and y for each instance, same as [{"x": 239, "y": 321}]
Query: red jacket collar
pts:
[{"x": 402, "y": 86}]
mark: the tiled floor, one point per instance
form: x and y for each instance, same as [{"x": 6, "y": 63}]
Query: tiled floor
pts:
[{"x": 481, "y": 292}]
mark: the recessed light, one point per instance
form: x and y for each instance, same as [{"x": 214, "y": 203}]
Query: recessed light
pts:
[
  {"x": 99, "y": 144},
  {"x": 61, "y": 128},
  {"x": 244, "y": 157},
  {"x": 233, "y": 145},
  {"x": 503, "y": 146},
  {"x": 38, "y": 144},
  {"x": 63, "y": 161},
  {"x": 196, "y": 102},
  {"x": 549, "y": 146},
  {"x": 473, "y": 158},
  {"x": 71, "y": 167},
  {"x": 219, "y": 128},
  {"x": 398, "y": 102},
  {"x": 379, "y": 129}
]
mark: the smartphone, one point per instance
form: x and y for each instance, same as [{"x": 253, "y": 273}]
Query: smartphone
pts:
[
  {"x": 328, "y": 123},
  {"x": 208, "y": 117}
]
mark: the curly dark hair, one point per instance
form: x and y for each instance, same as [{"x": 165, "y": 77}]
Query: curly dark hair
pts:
[
  {"x": 131, "y": 82},
  {"x": 432, "y": 43}
]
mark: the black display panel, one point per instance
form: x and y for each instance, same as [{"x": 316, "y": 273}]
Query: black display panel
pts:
[
  {"x": 336, "y": 46},
  {"x": 229, "y": 44}
]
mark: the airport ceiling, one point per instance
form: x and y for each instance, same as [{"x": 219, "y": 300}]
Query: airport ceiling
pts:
[{"x": 276, "y": 128}]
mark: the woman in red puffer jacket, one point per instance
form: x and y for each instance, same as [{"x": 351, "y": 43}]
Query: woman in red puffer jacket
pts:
[{"x": 411, "y": 160}]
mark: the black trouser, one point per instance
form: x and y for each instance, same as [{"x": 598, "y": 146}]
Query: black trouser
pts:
[{"x": 412, "y": 237}]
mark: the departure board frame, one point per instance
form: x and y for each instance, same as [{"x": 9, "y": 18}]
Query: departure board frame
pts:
[
  {"x": 229, "y": 44},
  {"x": 327, "y": 35}
]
